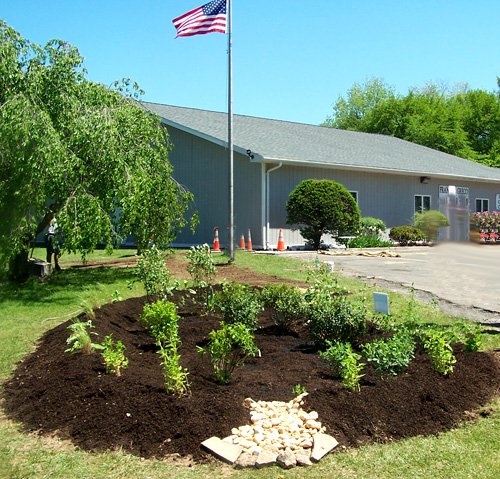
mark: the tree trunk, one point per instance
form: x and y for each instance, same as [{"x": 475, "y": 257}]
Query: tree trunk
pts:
[{"x": 19, "y": 267}]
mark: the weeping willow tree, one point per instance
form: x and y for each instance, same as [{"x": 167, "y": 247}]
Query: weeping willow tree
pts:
[{"x": 87, "y": 153}]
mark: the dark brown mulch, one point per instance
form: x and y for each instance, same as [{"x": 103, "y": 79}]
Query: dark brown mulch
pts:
[{"x": 69, "y": 394}]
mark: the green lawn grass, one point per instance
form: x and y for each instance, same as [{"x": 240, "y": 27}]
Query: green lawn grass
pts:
[{"x": 30, "y": 309}]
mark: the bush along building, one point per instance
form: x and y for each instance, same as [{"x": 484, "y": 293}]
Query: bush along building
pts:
[{"x": 390, "y": 178}]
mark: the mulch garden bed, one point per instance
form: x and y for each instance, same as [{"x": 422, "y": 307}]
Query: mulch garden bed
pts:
[{"x": 70, "y": 395}]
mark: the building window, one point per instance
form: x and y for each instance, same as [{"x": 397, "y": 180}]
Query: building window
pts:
[
  {"x": 354, "y": 195},
  {"x": 422, "y": 203},
  {"x": 482, "y": 204}
]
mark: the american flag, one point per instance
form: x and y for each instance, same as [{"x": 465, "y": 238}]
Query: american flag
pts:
[{"x": 206, "y": 19}]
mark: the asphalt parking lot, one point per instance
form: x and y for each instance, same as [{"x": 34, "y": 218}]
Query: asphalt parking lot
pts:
[{"x": 464, "y": 275}]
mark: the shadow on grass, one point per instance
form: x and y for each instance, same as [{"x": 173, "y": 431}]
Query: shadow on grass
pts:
[{"x": 62, "y": 287}]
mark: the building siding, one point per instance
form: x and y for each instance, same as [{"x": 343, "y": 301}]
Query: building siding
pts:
[
  {"x": 202, "y": 167},
  {"x": 386, "y": 196}
]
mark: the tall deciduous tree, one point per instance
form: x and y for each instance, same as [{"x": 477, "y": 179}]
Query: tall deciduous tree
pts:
[
  {"x": 77, "y": 149},
  {"x": 321, "y": 207},
  {"x": 463, "y": 122},
  {"x": 351, "y": 113}
]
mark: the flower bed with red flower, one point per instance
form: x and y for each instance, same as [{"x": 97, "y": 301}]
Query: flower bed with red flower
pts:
[{"x": 488, "y": 225}]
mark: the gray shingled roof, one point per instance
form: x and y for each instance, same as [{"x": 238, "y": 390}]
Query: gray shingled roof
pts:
[{"x": 298, "y": 143}]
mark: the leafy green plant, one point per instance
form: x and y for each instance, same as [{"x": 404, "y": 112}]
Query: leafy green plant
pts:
[
  {"x": 390, "y": 356},
  {"x": 116, "y": 296},
  {"x": 469, "y": 334},
  {"x": 88, "y": 307},
  {"x": 370, "y": 226},
  {"x": 238, "y": 304},
  {"x": 430, "y": 222},
  {"x": 437, "y": 346},
  {"x": 175, "y": 376},
  {"x": 344, "y": 363},
  {"x": 298, "y": 389},
  {"x": 411, "y": 317},
  {"x": 228, "y": 348},
  {"x": 114, "y": 355},
  {"x": 286, "y": 302},
  {"x": 80, "y": 339},
  {"x": 383, "y": 322},
  {"x": 367, "y": 242},
  {"x": 406, "y": 235},
  {"x": 335, "y": 319},
  {"x": 322, "y": 283},
  {"x": 161, "y": 319},
  {"x": 201, "y": 265},
  {"x": 153, "y": 272}
]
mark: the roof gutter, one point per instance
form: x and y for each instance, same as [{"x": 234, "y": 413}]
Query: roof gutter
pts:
[{"x": 372, "y": 169}]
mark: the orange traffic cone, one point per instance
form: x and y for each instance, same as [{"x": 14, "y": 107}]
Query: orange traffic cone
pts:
[
  {"x": 242, "y": 242},
  {"x": 216, "y": 247},
  {"x": 281, "y": 242},
  {"x": 249, "y": 243}
]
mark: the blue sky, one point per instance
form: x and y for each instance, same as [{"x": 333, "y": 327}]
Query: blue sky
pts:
[{"x": 291, "y": 59}]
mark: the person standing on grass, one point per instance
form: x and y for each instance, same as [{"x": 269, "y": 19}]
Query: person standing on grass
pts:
[{"x": 53, "y": 247}]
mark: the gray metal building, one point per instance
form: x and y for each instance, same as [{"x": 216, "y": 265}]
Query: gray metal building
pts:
[{"x": 389, "y": 177}]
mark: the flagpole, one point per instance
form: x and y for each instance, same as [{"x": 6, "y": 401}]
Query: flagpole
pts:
[{"x": 230, "y": 130}]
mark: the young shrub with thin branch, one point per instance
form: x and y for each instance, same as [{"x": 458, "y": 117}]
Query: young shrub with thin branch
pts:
[
  {"x": 114, "y": 355},
  {"x": 238, "y": 303},
  {"x": 344, "y": 363},
  {"x": 286, "y": 302},
  {"x": 390, "y": 356},
  {"x": 228, "y": 348},
  {"x": 80, "y": 339}
]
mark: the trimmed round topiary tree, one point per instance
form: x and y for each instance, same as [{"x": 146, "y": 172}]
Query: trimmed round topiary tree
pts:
[{"x": 319, "y": 207}]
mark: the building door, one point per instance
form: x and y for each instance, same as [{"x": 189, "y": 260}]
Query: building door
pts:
[{"x": 454, "y": 203}]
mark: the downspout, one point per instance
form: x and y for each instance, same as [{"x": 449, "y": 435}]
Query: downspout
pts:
[{"x": 267, "y": 201}]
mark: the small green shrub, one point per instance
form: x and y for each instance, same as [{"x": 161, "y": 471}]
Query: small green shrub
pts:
[
  {"x": 406, "y": 235},
  {"x": 228, "y": 349},
  {"x": 161, "y": 320},
  {"x": 335, "y": 319},
  {"x": 286, "y": 302},
  {"x": 116, "y": 296},
  {"x": 390, "y": 356},
  {"x": 319, "y": 207},
  {"x": 344, "y": 363},
  {"x": 114, "y": 355},
  {"x": 430, "y": 222},
  {"x": 437, "y": 346},
  {"x": 175, "y": 376},
  {"x": 322, "y": 283},
  {"x": 370, "y": 226},
  {"x": 383, "y": 322},
  {"x": 367, "y": 242},
  {"x": 153, "y": 272},
  {"x": 80, "y": 338},
  {"x": 201, "y": 265},
  {"x": 469, "y": 334},
  {"x": 411, "y": 319},
  {"x": 238, "y": 304},
  {"x": 298, "y": 389}
]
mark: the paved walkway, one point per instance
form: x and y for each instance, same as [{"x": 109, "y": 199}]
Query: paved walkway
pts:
[{"x": 465, "y": 275}]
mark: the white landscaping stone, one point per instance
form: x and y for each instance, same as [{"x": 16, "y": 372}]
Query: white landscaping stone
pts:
[
  {"x": 223, "y": 450},
  {"x": 246, "y": 460},
  {"x": 286, "y": 460},
  {"x": 266, "y": 458},
  {"x": 303, "y": 458},
  {"x": 323, "y": 444}
]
